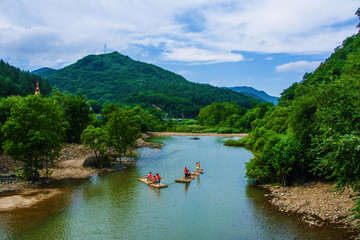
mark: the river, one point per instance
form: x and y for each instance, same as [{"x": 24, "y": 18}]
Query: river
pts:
[{"x": 219, "y": 204}]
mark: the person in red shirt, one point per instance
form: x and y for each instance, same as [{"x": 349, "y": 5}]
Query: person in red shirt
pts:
[
  {"x": 158, "y": 176},
  {"x": 154, "y": 179},
  {"x": 187, "y": 173},
  {"x": 149, "y": 177}
]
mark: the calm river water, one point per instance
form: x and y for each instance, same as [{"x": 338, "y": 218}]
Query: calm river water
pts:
[{"x": 219, "y": 204}]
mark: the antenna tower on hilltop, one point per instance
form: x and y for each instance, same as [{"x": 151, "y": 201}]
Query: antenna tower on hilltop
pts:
[{"x": 105, "y": 48}]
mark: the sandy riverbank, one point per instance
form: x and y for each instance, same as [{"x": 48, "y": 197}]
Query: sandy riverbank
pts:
[{"x": 26, "y": 194}]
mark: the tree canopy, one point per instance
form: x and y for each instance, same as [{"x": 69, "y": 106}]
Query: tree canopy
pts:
[{"x": 34, "y": 133}]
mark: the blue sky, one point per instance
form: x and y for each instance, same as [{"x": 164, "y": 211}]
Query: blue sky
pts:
[{"x": 265, "y": 44}]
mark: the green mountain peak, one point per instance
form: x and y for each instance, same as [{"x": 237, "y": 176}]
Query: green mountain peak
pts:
[{"x": 115, "y": 78}]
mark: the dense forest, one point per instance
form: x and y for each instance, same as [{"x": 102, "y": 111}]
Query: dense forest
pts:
[
  {"x": 313, "y": 132},
  {"x": 115, "y": 78},
  {"x": 13, "y": 81}
]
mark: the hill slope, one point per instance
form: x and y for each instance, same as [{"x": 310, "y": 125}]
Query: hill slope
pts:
[
  {"x": 328, "y": 71},
  {"x": 261, "y": 95},
  {"x": 118, "y": 79},
  {"x": 44, "y": 72},
  {"x": 13, "y": 81}
]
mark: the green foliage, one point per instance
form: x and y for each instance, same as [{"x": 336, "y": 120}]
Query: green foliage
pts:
[
  {"x": 314, "y": 130},
  {"x": 218, "y": 113},
  {"x": 5, "y": 107},
  {"x": 13, "y": 81},
  {"x": 114, "y": 78},
  {"x": 95, "y": 138},
  {"x": 95, "y": 106},
  {"x": 279, "y": 161},
  {"x": 77, "y": 113},
  {"x": 253, "y": 117},
  {"x": 34, "y": 133},
  {"x": 338, "y": 158},
  {"x": 258, "y": 170},
  {"x": 148, "y": 122},
  {"x": 123, "y": 129}
]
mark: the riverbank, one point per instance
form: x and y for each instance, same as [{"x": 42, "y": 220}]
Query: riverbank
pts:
[
  {"x": 20, "y": 194},
  {"x": 15, "y": 193},
  {"x": 315, "y": 203}
]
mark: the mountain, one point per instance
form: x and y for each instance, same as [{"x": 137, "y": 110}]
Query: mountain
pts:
[
  {"x": 333, "y": 67},
  {"x": 44, "y": 72},
  {"x": 115, "y": 78},
  {"x": 261, "y": 95},
  {"x": 13, "y": 81}
]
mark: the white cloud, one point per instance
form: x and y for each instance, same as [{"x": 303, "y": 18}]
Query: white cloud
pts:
[
  {"x": 299, "y": 66},
  {"x": 78, "y": 27},
  {"x": 196, "y": 55}
]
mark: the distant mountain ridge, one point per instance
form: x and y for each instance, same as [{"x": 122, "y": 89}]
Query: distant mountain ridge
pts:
[
  {"x": 44, "y": 72},
  {"x": 115, "y": 78},
  {"x": 250, "y": 91}
]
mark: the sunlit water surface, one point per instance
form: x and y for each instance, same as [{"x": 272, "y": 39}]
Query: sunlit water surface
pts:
[{"x": 219, "y": 204}]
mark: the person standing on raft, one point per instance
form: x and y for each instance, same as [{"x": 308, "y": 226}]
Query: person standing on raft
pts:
[
  {"x": 149, "y": 177},
  {"x": 187, "y": 173},
  {"x": 158, "y": 176},
  {"x": 198, "y": 165}
]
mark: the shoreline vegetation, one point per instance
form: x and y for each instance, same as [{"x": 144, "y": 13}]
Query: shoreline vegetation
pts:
[{"x": 315, "y": 203}]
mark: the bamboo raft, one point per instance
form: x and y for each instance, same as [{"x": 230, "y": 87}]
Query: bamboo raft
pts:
[
  {"x": 155, "y": 185},
  {"x": 200, "y": 170},
  {"x": 193, "y": 175}
]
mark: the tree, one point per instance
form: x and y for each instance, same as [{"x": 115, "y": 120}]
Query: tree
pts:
[
  {"x": 95, "y": 138},
  {"x": 5, "y": 107},
  {"x": 123, "y": 129},
  {"x": 77, "y": 113},
  {"x": 217, "y": 113},
  {"x": 34, "y": 133}
]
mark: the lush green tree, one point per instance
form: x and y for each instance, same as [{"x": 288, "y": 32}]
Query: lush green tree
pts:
[
  {"x": 95, "y": 106},
  {"x": 251, "y": 118},
  {"x": 34, "y": 133},
  {"x": 5, "y": 107},
  {"x": 277, "y": 120},
  {"x": 218, "y": 113},
  {"x": 148, "y": 122},
  {"x": 283, "y": 153},
  {"x": 107, "y": 111},
  {"x": 123, "y": 129},
  {"x": 77, "y": 113},
  {"x": 95, "y": 138}
]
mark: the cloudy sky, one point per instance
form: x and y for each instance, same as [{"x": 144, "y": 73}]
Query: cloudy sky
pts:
[{"x": 265, "y": 44}]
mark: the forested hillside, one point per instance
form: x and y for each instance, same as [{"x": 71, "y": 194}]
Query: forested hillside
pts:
[
  {"x": 13, "y": 81},
  {"x": 44, "y": 72},
  {"x": 116, "y": 78},
  {"x": 314, "y": 131}
]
